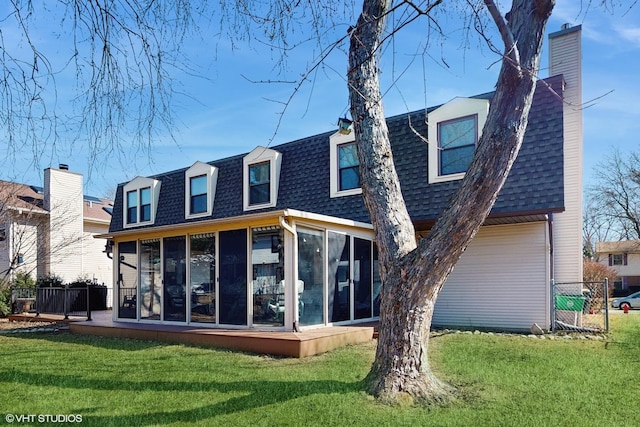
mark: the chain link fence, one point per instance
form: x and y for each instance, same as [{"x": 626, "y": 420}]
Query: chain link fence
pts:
[{"x": 581, "y": 306}]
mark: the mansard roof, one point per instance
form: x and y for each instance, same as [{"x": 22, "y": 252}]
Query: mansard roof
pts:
[{"x": 534, "y": 186}]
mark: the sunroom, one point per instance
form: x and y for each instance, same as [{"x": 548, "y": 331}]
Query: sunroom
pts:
[{"x": 283, "y": 270}]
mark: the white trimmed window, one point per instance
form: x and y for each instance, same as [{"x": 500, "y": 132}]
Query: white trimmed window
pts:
[
  {"x": 140, "y": 201},
  {"x": 345, "y": 166},
  {"x": 261, "y": 176},
  {"x": 454, "y": 130},
  {"x": 200, "y": 190}
]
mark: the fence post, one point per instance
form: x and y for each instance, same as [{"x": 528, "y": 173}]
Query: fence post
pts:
[
  {"x": 88, "y": 305},
  {"x": 66, "y": 303},
  {"x": 606, "y": 304},
  {"x": 38, "y": 301},
  {"x": 553, "y": 305}
]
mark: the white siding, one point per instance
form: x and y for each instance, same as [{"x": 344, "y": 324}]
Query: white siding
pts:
[
  {"x": 64, "y": 200},
  {"x": 565, "y": 56},
  {"x": 501, "y": 281},
  {"x": 96, "y": 264}
]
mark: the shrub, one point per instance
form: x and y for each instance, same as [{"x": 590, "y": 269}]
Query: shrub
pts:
[
  {"x": 24, "y": 280},
  {"x": 49, "y": 281},
  {"x": 81, "y": 282},
  {"x": 5, "y": 298}
]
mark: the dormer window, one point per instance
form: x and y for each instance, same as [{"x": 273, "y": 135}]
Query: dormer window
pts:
[
  {"x": 141, "y": 201},
  {"x": 259, "y": 183},
  {"x": 344, "y": 165},
  {"x": 457, "y": 141},
  {"x": 200, "y": 189},
  {"x": 348, "y": 167},
  {"x": 261, "y": 177},
  {"x": 198, "y": 194},
  {"x": 454, "y": 130}
]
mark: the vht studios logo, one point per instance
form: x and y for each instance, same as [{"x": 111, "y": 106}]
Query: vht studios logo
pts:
[{"x": 43, "y": 418}]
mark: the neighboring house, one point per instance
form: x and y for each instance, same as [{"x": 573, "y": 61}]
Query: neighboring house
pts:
[
  {"x": 624, "y": 258},
  {"x": 50, "y": 230},
  {"x": 279, "y": 238}
]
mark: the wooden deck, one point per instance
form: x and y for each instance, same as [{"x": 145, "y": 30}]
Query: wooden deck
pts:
[{"x": 289, "y": 344}]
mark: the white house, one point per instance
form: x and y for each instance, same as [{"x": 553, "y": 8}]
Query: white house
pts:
[
  {"x": 624, "y": 258},
  {"x": 215, "y": 244},
  {"x": 50, "y": 230}
]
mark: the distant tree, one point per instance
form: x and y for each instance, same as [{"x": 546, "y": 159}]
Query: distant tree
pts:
[
  {"x": 596, "y": 227},
  {"x": 614, "y": 199},
  {"x": 594, "y": 271}
]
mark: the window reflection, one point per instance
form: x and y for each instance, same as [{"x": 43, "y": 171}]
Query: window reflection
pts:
[
  {"x": 202, "y": 278},
  {"x": 150, "y": 279},
  {"x": 311, "y": 270},
  {"x": 127, "y": 280},
  {"x": 175, "y": 279},
  {"x": 267, "y": 257}
]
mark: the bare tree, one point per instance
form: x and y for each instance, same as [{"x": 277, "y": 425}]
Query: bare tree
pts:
[
  {"x": 25, "y": 227},
  {"x": 115, "y": 69},
  {"x": 413, "y": 274},
  {"x": 614, "y": 199},
  {"x": 596, "y": 227}
]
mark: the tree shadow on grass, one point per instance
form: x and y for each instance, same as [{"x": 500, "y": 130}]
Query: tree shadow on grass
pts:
[
  {"x": 109, "y": 343},
  {"x": 255, "y": 394}
]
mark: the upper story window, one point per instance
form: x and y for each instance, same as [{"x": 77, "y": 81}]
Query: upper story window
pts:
[
  {"x": 261, "y": 175},
  {"x": 617, "y": 259},
  {"x": 198, "y": 194},
  {"x": 141, "y": 201},
  {"x": 344, "y": 165},
  {"x": 348, "y": 167},
  {"x": 200, "y": 187},
  {"x": 259, "y": 183},
  {"x": 457, "y": 141},
  {"x": 454, "y": 130}
]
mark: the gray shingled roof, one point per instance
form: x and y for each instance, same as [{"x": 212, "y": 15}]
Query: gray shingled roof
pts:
[{"x": 535, "y": 184}]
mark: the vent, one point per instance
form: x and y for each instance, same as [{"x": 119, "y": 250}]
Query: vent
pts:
[{"x": 64, "y": 167}]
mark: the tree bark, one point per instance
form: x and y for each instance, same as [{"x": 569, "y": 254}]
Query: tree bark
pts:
[{"x": 413, "y": 274}]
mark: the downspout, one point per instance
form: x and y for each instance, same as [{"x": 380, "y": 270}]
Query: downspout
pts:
[
  {"x": 284, "y": 224},
  {"x": 551, "y": 272}
]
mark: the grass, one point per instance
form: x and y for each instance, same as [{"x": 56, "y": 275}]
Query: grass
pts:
[{"x": 504, "y": 380}]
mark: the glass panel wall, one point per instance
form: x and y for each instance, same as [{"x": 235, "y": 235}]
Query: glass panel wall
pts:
[
  {"x": 127, "y": 279},
  {"x": 362, "y": 280},
  {"x": 267, "y": 259},
  {"x": 150, "y": 279},
  {"x": 203, "y": 277},
  {"x": 339, "y": 298},
  {"x": 311, "y": 274},
  {"x": 377, "y": 282},
  {"x": 233, "y": 277},
  {"x": 175, "y": 279}
]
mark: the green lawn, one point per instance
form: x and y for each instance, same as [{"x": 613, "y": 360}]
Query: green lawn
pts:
[{"x": 505, "y": 381}]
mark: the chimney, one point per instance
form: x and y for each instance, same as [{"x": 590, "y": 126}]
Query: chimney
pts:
[{"x": 565, "y": 58}]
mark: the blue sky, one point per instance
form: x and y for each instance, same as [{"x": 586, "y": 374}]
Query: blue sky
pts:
[{"x": 226, "y": 114}]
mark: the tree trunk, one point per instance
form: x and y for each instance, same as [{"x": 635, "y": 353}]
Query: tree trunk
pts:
[{"x": 412, "y": 274}]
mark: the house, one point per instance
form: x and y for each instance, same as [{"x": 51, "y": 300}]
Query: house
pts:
[
  {"x": 50, "y": 230},
  {"x": 624, "y": 258},
  {"x": 279, "y": 238}
]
